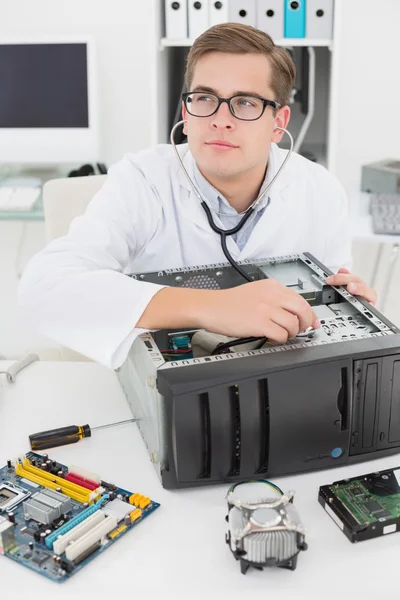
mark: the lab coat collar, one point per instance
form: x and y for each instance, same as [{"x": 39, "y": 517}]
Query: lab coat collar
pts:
[
  {"x": 217, "y": 202},
  {"x": 270, "y": 221}
]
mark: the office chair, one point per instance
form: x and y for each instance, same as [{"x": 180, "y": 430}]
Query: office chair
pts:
[{"x": 65, "y": 199}]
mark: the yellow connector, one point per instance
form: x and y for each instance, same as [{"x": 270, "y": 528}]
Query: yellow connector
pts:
[
  {"x": 139, "y": 500},
  {"x": 135, "y": 514},
  {"x": 144, "y": 501},
  {"x": 53, "y": 482},
  {"x": 113, "y": 534}
]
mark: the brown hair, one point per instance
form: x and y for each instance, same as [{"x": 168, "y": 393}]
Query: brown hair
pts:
[{"x": 236, "y": 38}]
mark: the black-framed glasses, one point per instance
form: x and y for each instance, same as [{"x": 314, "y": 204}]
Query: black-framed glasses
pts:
[{"x": 245, "y": 108}]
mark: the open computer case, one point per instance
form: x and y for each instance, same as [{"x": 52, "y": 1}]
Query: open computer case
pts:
[{"x": 312, "y": 403}]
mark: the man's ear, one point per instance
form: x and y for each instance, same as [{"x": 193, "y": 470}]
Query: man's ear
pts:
[
  {"x": 282, "y": 119},
  {"x": 184, "y": 117}
]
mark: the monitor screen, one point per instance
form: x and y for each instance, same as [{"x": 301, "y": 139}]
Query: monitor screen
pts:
[{"x": 44, "y": 85}]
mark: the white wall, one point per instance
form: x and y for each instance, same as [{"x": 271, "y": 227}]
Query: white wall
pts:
[
  {"x": 366, "y": 83},
  {"x": 365, "y": 123},
  {"x": 125, "y": 35}
]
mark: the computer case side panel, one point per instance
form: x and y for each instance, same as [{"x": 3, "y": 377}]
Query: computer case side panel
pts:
[{"x": 138, "y": 379}]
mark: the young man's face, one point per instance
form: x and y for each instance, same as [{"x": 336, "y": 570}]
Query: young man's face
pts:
[{"x": 226, "y": 75}]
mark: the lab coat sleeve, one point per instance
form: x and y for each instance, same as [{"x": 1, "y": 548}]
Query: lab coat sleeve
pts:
[
  {"x": 338, "y": 235},
  {"x": 75, "y": 291}
]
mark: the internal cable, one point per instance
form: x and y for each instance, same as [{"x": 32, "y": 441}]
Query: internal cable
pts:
[{"x": 228, "y": 345}]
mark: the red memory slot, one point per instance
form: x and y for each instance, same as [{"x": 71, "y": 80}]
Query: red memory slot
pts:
[
  {"x": 81, "y": 482},
  {"x": 89, "y": 481}
]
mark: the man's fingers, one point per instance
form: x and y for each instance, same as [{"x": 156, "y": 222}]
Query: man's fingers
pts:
[
  {"x": 342, "y": 279},
  {"x": 361, "y": 289},
  {"x": 316, "y": 323},
  {"x": 287, "y": 321},
  {"x": 311, "y": 321},
  {"x": 354, "y": 284},
  {"x": 275, "y": 333},
  {"x": 301, "y": 309}
]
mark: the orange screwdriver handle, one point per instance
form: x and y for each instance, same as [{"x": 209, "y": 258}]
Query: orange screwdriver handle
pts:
[{"x": 59, "y": 437}]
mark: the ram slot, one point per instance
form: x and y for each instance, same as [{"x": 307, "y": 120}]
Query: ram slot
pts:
[
  {"x": 83, "y": 482},
  {"x": 51, "y": 538},
  {"x": 61, "y": 480},
  {"x": 63, "y": 540},
  {"x": 86, "y": 475},
  {"x": 53, "y": 482},
  {"x": 91, "y": 537}
]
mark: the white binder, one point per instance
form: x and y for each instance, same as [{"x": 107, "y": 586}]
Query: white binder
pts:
[
  {"x": 319, "y": 19},
  {"x": 176, "y": 19},
  {"x": 270, "y": 18},
  {"x": 198, "y": 17},
  {"x": 243, "y": 11},
  {"x": 218, "y": 12}
]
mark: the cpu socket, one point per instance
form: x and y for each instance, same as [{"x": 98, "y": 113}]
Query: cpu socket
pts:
[{"x": 11, "y": 495}]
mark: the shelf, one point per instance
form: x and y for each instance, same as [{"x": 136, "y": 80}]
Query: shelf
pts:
[{"x": 288, "y": 42}]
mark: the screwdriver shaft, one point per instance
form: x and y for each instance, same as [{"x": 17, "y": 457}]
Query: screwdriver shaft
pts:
[{"x": 114, "y": 424}]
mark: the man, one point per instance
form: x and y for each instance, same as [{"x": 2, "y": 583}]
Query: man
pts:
[{"x": 146, "y": 217}]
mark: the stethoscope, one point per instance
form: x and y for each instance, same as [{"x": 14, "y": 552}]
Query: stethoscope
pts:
[{"x": 224, "y": 233}]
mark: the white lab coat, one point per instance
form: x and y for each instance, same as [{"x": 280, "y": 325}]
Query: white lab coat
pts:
[{"x": 147, "y": 218}]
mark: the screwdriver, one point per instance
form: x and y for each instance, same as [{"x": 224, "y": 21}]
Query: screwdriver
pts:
[{"x": 67, "y": 435}]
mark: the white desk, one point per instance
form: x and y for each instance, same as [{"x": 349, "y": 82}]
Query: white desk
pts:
[
  {"x": 179, "y": 551},
  {"x": 361, "y": 229}
]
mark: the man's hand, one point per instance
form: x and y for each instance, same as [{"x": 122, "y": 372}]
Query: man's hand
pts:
[
  {"x": 263, "y": 308},
  {"x": 354, "y": 285},
  {"x": 260, "y": 308}
]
